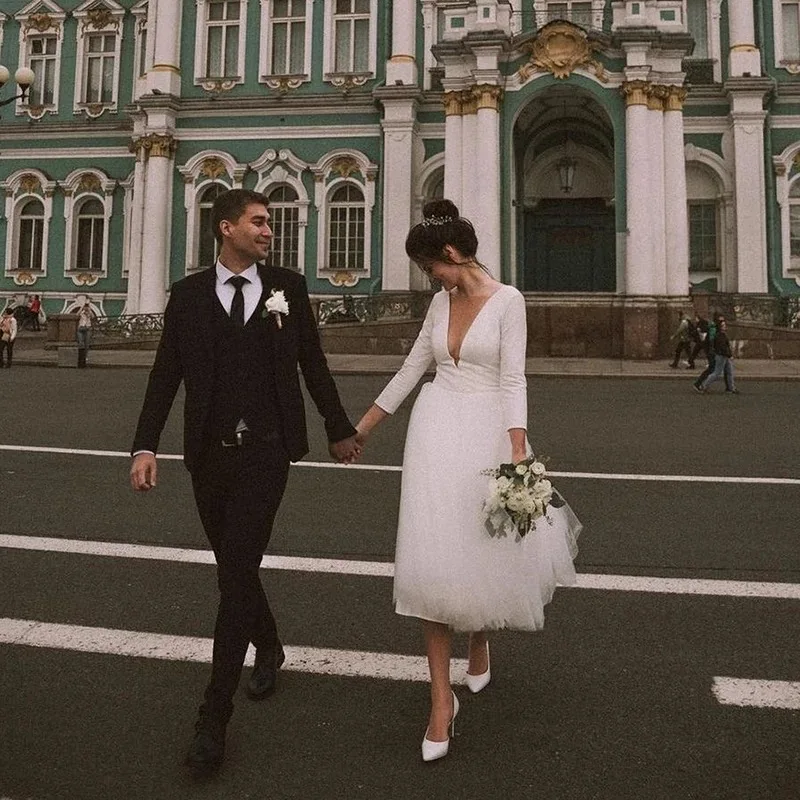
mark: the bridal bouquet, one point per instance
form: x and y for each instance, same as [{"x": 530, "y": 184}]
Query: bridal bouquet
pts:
[{"x": 519, "y": 494}]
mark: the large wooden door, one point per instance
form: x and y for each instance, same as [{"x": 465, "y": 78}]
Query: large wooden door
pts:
[{"x": 569, "y": 247}]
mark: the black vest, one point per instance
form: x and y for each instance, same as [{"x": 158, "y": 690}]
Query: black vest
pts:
[{"x": 244, "y": 379}]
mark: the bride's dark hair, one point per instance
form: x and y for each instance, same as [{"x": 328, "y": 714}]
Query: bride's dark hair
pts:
[{"x": 441, "y": 225}]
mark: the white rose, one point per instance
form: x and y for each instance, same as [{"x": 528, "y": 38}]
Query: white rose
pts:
[
  {"x": 503, "y": 483},
  {"x": 537, "y": 468},
  {"x": 521, "y": 469},
  {"x": 277, "y": 303}
]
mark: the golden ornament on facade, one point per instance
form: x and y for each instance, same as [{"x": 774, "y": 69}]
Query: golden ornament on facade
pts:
[
  {"x": 89, "y": 183},
  {"x": 452, "y": 103},
  {"x": 160, "y": 145},
  {"x": 635, "y": 92},
  {"x": 343, "y": 278},
  {"x": 676, "y": 98},
  {"x": 100, "y": 18},
  {"x": 656, "y": 97},
  {"x": 561, "y": 48},
  {"x": 345, "y": 166},
  {"x": 469, "y": 101},
  {"x": 30, "y": 184},
  {"x": 213, "y": 168},
  {"x": 487, "y": 95},
  {"x": 41, "y": 21},
  {"x": 85, "y": 279},
  {"x": 24, "y": 279}
]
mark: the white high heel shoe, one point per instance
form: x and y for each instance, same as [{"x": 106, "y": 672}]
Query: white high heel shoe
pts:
[
  {"x": 477, "y": 682},
  {"x": 431, "y": 751}
]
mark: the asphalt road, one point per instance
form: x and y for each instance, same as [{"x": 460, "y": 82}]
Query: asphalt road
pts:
[{"x": 612, "y": 700}]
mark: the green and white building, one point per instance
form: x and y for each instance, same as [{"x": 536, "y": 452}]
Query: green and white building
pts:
[{"x": 611, "y": 152}]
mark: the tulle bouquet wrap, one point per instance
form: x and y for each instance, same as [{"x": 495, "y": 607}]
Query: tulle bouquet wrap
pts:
[{"x": 519, "y": 494}]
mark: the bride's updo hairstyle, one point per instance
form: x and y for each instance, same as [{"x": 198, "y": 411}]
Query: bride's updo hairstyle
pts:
[{"x": 441, "y": 225}]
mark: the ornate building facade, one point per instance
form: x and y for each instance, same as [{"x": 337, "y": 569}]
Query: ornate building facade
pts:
[{"x": 617, "y": 149}]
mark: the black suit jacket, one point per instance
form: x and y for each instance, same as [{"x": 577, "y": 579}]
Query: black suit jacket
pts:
[{"x": 186, "y": 353}]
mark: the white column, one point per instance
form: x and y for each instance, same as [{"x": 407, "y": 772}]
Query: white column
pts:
[
  {"x": 402, "y": 66},
  {"x": 137, "y": 222},
  {"x": 155, "y": 240},
  {"x": 470, "y": 173},
  {"x": 655, "y": 157},
  {"x": 749, "y": 194},
  {"x": 165, "y": 17},
  {"x": 487, "y": 223},
  {"x": 398, "y": 139},
  {"x": 452, "y": 147},
  {"x": 638, "y": 275},
  {"x": 745, "y": 58},
  {"x": 677, "y": 220}
]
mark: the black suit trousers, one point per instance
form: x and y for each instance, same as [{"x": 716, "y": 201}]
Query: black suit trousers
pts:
[{"x": 238, "y": 491}]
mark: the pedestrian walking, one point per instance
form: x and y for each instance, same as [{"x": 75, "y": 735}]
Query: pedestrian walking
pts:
[
  {"x": 235, "y": 335},
  {"x": 8, "y": 333},
  {"x": 449, "y": 572},
  {"x": 84, "y": 333},
  {"x": 35, "y": 308},
  {"x": 700, "y": 339},
  {"x": 713, "y": 326},
  {"x": 684, "y": 337},
  {"x": 723, "y": 361}
]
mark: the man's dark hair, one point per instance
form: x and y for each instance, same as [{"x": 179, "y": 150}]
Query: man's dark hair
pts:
[{"x": 231, "y": 205}]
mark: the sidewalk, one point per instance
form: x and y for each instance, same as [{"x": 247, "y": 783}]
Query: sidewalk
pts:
[{"x": 29, "y": 350}]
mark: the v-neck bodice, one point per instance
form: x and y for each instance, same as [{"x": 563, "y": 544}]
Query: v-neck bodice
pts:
[
  {"x": 469, "y": 327},
  {"x": 492, "y": 356}
]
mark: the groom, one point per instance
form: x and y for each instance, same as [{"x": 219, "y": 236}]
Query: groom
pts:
[{"x": 236, "y": 345}]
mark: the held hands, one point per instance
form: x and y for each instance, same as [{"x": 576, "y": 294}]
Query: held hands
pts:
[
  {"x": 143, "y": 472},
  {"x": 347, "y": 451}
]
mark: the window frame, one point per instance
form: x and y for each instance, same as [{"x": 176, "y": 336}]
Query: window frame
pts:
[
  {"x": 331, "y": 74},
  {"x": 216, "y": 82},
  {"x": 141, "y": 66},
  {"x": 89, "y": 25},
  {"x": 791, "y": 65},
  {"x": 275, "y": 79},
  {"x": 714, "y": 206}
]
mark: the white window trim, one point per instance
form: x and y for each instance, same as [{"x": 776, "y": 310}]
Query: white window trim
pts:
[
  {"x": 208, "y": 82},
  {"x": 324, "y": 187},
  {"x": 783, "y": 166},
  {"x": 283, "y": 167},
  {"x": 598, "y": 7},
  {"x": 792, "y": 67},
  {"x": 329, "y": 50},
  {"x": 113, "y": 27},
  {"x": 26, "y": 30},
  {"x": 73, "y": 194},
  {"x": 15, "y": 199},
  {"x": 195, "y": 183},
  {"x": 265, "y": 51},
  {"x": 141, "y": 19}
]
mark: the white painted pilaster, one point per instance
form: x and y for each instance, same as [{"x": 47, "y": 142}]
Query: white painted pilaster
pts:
[
  {"x": 165, "y": 75},
  {"x": 676, "y": 218},
  {"x": 655, "y": 160},
  {"x": 487, "y": 223},
  {"x": 744, "y": 56},
  {"x": 453, "y": 184},
  {"x": 471, "y": 174},
  {"x": 401, "y": 69},
  {"x": 135, "y": 244}
]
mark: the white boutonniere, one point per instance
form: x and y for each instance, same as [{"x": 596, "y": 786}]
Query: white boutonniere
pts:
[{"x": 276, "y": 305}]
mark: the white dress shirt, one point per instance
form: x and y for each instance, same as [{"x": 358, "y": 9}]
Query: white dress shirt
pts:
[{"x": 251, "y": 290}]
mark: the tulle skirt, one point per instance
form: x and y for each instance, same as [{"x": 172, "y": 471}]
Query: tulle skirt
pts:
[{"x": 448, "y": 568}]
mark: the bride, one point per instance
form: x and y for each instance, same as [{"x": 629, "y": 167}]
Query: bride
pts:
[{"x": 449, "y": 571}]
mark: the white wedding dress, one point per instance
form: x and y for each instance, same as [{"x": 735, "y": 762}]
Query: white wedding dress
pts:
[{"x": 448, "y": 568}]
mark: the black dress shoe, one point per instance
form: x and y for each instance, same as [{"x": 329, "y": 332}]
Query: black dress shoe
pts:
[
  {"x": 207, "y": 749},
  {"x": 265, "y": 674}
]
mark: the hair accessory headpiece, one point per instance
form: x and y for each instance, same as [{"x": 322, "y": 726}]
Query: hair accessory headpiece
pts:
[{"x": 429, "y": 221}]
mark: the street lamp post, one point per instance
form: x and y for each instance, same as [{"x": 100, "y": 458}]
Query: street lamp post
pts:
[{"x": 24, "y": 77}]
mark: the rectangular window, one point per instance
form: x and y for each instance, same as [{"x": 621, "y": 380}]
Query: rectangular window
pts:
[
  {"x": 697, "y": 18},
  {"x": 100, "y": 62},
  {"x": 791, "y": 30},
  {"x": 286, "y": 237},
  {"x": 703, "y": 237},
  {"x": 143, "y": 51},
  {"x": 31, "y": 238},
  {"x": 794, "y": 236},
  {"x": 347, "y": 238},
  {"x": 90, "y": 244},
  {"x": 43, "y": 63},
  {"x": 351, "y": 31},
  {"x": 222, "y": 42},
  {"x": 579, "y": 13},
  {"x": 288, "y": 37}
]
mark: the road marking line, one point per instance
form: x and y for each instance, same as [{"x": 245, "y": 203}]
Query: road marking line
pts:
[
  {"x": 139, "y": 644},
  {"x": 385, "y": 569},
  {"x": 600, "y": 476},
  {"x": 757, "y": 693}
]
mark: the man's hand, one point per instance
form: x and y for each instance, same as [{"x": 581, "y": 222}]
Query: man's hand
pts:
[
  {"x": 346, "y": 451},
  {"x": 143, "y": 472}
]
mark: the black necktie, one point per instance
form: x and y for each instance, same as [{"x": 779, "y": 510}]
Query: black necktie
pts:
[{"x": 237, "y": 306}]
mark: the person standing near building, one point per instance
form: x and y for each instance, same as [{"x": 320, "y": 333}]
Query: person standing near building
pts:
[
  {"x": 723, "y": 366},
  {"x": 235, "y": 335},
  {"x": 8, "y": 333},
  {"x": 683, "y": 334},
  {"x": 701, "y": 343},
  {"x": 84, "y": 333}
]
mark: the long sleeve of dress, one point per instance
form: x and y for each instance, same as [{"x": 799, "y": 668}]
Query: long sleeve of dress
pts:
[
  {"x": 513, "y": 341},
  {"x": 417, "y": 361}
]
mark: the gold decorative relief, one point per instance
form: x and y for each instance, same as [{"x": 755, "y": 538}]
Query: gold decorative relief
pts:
[
  {"x": 657, "y": 97},
  {"x": 676, "y": 98},
  {"x": 99, "y": 18},
  {"x": 24, "y": 279},
  {"x": 213, "y": 168},
  {"x": 343, "y": 278},
  {"x": 635, "y": 92},
  {"x": 41, "y": 21},
  {"x": 30, "y": 184},
  {"x": 284, "y": 83},
  {"x": 85, "y": 278},
  {"x": 561, "y": 48},
  {"x": 88, "y": 183},
  {"x": 452, "y": 103},
  {"x": 217, "y": 86},
  {"x": 487, "y": 95},
  {"x": 345, "y": 166}
]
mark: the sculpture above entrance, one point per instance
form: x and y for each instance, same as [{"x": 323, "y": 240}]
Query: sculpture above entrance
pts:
[{"x": 561, "y": 48}]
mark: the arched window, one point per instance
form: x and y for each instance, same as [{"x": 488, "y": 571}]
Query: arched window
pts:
[
  {"x": 31, "y": 236},
  {"x": 285, "y": 224},
  {"x": 346, "y": 228},
  {"x": 794, "y": 225},
  {"x": 209, "y": 249},
  {"x": 91, "y": 230}
]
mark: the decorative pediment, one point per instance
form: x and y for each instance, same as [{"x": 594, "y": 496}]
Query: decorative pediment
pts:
[
  {"x": 41, "y": 16},
  {"x": 99, "y": 14},
  {"x": 560, "y": 48}
]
